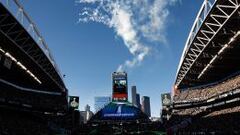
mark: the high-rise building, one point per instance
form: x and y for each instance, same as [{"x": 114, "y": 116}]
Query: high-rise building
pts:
[
  {"x": 146, "y": 105},
  {"x": 100, "y": 102},
  {"x": 134, "y": 95},
  {"x": 86, "y": 115},
  {"x": 138, "y": 101},
  {"x": 87, "y": 108}
]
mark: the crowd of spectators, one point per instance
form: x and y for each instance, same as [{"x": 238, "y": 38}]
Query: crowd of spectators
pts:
[
  {"x": 222, "y": 123},
  {"x": 205, "y": 92},
  {"x": 207, "y": 119},
  {"x": 29, "y": 99},
  {"x": 15, "y": 122},
  {"x": 123, "y": 128},
  {"x": 235, "y": 109},
  {"x": 31, "y": 113},
  {"x": 189, "y": 111},
  {"x": 196, "y": 120}
]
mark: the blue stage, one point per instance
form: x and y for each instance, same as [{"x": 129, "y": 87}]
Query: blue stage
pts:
[{"x": 119, "y": 111}]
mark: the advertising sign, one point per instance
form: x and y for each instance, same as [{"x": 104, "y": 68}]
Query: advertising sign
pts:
[
  {"x": 122, "y": 111},
  {"x": 166, "y": 99},
  {"x": 73, "y": 102}
]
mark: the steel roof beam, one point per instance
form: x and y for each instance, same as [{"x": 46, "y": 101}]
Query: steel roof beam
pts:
[{"x": 209, "y": 28}]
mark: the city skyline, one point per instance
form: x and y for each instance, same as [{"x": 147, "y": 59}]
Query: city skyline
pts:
[
  {"x": 87, "y": 53},
  {"x": 100, "y": 102}
]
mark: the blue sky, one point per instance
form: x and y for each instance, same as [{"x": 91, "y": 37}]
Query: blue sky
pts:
[{"x": 148, "y": 48}]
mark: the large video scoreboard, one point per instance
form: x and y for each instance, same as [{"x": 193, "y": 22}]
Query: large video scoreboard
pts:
[{"x": 119, "y": 86}]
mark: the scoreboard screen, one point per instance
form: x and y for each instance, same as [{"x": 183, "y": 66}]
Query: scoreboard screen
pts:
[{"x": 119, "y": 86}]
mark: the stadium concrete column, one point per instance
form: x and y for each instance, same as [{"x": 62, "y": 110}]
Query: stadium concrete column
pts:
[
  {"x": 146, "y": 105},
  {"x": 134, "y": 97}
]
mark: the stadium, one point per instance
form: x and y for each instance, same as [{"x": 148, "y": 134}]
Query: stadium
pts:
[
  {"x": 205, "y": 99},
  {"x": 206, "y": 91},
  {"x": 34, "y": 99}
]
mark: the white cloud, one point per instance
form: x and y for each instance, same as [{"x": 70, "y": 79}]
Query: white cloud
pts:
[{"x": 135, "y": 21}]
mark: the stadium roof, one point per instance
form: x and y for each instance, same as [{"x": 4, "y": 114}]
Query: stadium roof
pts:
[
  {"x": 212, "y": 51},
  {"x": 27, "y": 49}
]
